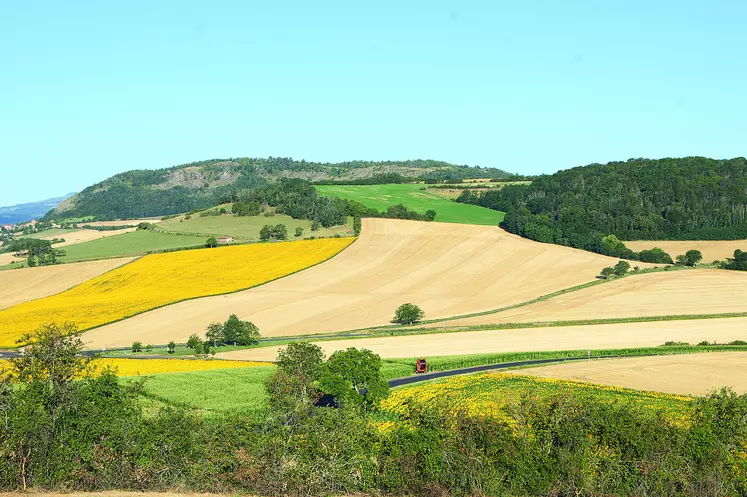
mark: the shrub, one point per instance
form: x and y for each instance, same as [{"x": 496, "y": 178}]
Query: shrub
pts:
[
  {"x": 137, "y": 347},
  {"x": 408, "y": 314},
  {"x": 656, "y": 256}
]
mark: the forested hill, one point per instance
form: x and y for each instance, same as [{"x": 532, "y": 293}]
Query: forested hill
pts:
[
  {"x": 687, "y": 198},
  {"x": 142, "y": 193}
]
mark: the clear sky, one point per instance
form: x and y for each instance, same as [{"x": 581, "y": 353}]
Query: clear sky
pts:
[{"x": 92, "y": 88}]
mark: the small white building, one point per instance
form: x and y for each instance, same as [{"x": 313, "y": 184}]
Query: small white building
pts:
[
  {"x": 7, "y": 227},
  {"x": 225, "y": 239}
]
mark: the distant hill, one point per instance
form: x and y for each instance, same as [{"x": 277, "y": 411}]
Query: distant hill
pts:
[
  {"x": 690, "y": 198},
  {"x": 20, "y": 213},
  {"x": 142, "y": 193}
]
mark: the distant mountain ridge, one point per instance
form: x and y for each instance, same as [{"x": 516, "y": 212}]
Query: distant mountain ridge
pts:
[
  {"x": 143, "y": 193},
  {"x": 19, "y": 213}
]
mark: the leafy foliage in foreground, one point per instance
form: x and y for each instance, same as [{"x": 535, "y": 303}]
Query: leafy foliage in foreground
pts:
[
  {"x": 543, "y": 438},
  {"x": 693, "y": 198}
]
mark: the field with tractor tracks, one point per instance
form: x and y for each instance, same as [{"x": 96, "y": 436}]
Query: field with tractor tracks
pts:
[
  {"x": 692, "y": 374},
  {"x": 666, "y": 293},
  {"x": 447, "y": 269}
]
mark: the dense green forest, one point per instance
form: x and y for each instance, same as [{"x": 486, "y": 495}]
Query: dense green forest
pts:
[
  {"x": 692, "y": 198},
  {"x": 145, "y": 193}
]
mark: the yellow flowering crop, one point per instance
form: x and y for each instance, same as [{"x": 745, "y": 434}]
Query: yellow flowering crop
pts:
[
  {"x": 160, "y": 279},
  {"x": 492, "y": 394},
  {"x": 139, "y": 367}
]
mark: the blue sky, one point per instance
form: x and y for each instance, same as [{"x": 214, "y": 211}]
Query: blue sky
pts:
[{"x": 89, "y": 89}]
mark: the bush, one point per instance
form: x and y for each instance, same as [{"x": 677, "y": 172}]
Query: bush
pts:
[
  {"x": 299, "y": 231},
  {"x": 137, "y": 347},
  {"x": 656, "y": 256},
  {"x": 408, "y": 314}
]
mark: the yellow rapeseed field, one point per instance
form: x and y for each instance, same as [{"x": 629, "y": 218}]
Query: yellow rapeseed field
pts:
[
  {"x": 140, "y": 367},
  {"x": 160, "y": 279},
  {"x": 492, "y": 394}
]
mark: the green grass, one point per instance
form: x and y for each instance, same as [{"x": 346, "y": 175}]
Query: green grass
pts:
[
  {"x": 214, "y": 391},
  {"x": 133, "y": 243},
  {"x": 413, "y": 197},
  {"x": 247, "y": 228}
]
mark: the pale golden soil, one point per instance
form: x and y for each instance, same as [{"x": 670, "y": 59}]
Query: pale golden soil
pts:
[
  {"x": 7, "y": 258},
  {"x": 447, "y": 269},
  {"x": 712, "y": 250},
  {"x": 21, "y": 285},
  {"x": 80, "y": 236},
  {"x": 697, "y": 291},
  {"x": 606, "y": 336},
  {"x": 693, "y": 374}
]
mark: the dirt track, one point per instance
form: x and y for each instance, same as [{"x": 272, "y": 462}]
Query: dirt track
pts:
[
  {"x": 447, "y": 269},
  {"x": 698, "y": 291},
  {"x": 694, "y": 374},
  {"x": 712, "y": 250},
  {"x": 607, "y": 336},
  {"x": 22, "y": 285}
]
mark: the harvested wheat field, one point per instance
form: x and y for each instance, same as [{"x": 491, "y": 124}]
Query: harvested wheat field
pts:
[
  {"x": 693, "y": 374},
  {"x": 162, "y": 279},
  {"x": 8, "y": 257},
  {"x": 600, "y": 336},
  {"x": 696, "y": 291},
  {"x": 447, "y": 269},
  {"x": 22, "y": 285},
  {"x": 712, "y": 250},
  {"x": 80, "y": 236}
]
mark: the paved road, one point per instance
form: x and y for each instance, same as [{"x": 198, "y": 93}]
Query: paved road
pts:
[{"x": 397, "y": 382}]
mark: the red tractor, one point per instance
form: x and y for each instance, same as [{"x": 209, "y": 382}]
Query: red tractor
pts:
[{"x": 421, "y": 366}]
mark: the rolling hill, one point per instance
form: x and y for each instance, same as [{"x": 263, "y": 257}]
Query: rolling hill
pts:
[
  {"x": 20, "y": 213},
  {"x": 144, "y": 193}
]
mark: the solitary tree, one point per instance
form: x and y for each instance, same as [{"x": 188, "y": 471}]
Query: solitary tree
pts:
[
  {"x": 211, "y": 242},
  {"x": 692, "y": 257},
  {"x": 299, "y": 231},
  {"x": 408, "y": 314},
  {"x": 137, "y": 346},
  {"x": 171, "y": 347},
  {"x": 193, "y": 341},
  {"x": 621, "y": 268}
]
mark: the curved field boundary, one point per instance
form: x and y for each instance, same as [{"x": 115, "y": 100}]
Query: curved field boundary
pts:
[
  {"x": 712, "y": 250},
  {"x": 681, "y": 294},
  {"x": 146, "y": 284},
  {"x": 25, "y": 284},
  {"x": 447, "y": 269},
  {"x": 696, "y": 374}
]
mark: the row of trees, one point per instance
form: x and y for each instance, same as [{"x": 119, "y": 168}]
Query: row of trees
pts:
[{"x": 39, "y": 252}]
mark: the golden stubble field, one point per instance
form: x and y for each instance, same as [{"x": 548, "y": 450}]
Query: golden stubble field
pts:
[
  {"x": 447, "y": 269},
  {"x": 693, "y": 374},
  {"x": 22, "y": 285},
  {"x": 712, "y": 250},
  {"x": 80, "y": 236},
  {"x": 600, "y": 336},
  {"x": 696, "y": 291}
]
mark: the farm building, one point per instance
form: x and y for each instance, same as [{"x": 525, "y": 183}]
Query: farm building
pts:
[{"x": 225, "y": 239}]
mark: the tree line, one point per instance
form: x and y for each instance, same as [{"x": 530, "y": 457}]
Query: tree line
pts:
[{"x": 692, "y": 198}]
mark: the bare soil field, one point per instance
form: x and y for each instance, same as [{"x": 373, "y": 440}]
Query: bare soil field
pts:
[
  {"x": 80, "y": 236},
  {"x": 447, "y": 269},
  {"x": 22, "y": 285},
  {"x": 8, "y": 257},
  {"x": 697, "y": 291},
  {"x": 602, "y": 336},
  {"x": 692, "y": 374},
  {"x": 712, "y": 250}
]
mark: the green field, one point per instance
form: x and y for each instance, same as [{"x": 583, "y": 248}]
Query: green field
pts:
[
  {"x": 413, "y": 197},
  {"x": 246, "y": 228},
  {"x": 214, "y": 391},
  {"x": 133, "y": 243}
]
